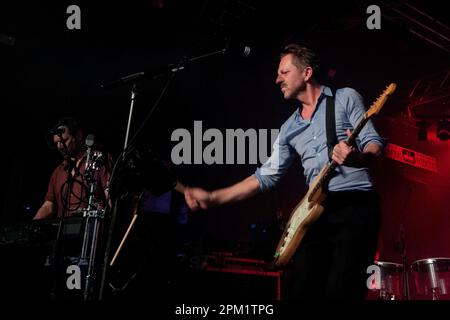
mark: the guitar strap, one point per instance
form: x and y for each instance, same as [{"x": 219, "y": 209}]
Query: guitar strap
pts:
[{"x": 331, "y": 124}]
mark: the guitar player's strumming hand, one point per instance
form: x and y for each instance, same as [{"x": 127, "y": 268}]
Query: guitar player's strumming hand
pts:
[{"x": 198, "y": 198}]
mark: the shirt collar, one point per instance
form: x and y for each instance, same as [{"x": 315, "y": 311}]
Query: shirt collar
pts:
[{"x": 324, "y": 91}]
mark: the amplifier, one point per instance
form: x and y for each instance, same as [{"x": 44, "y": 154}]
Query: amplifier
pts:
[{"x": 227, "y": 278}]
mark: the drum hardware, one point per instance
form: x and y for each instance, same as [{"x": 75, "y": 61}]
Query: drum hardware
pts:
[
  {"x": 402, "y": 247},
  {"x": 94, "y": 214}
]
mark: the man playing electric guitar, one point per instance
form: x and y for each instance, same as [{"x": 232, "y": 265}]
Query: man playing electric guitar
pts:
[{"x": 332, "y": 258}]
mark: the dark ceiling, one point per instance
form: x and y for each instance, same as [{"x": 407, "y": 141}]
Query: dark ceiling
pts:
[{"x": 170, "y": 29}]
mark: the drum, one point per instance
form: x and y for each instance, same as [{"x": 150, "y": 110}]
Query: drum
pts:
[
  {"x": 390, "y": 286},
  {"x": 431, "y": 278}
]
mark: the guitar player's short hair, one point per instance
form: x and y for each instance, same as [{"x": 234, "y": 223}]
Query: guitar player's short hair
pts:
[{"x": 305, "y": 57}]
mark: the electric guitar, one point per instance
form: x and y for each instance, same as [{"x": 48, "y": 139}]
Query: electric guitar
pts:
[{"x": 310, "y": 207}]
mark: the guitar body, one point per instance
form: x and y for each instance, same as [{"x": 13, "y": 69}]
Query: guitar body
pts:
[
  {"x": 307, "y": 211},
  {"x": 310, "y": 207}
]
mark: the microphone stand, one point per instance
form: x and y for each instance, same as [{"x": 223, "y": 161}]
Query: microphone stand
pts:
[
  {"x": 135, "y": 78},
  {"x": 116, "y": 201},
  {"x": 130, "y": 115},
  {"x": 91, "y": 228}
]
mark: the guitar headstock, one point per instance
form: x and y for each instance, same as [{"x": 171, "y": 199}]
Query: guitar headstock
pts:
[{"x": 378, "y": 104}]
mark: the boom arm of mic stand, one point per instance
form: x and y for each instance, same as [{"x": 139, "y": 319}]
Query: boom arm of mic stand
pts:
[{"x": 154, "y": 73}]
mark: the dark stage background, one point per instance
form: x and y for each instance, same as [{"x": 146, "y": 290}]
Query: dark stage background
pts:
[{"x": 49, "y": 71}]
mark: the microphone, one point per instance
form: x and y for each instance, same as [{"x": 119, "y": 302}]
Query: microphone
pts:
[
  {"x": 239, "y": 49},
  {"x": 247, "y": 51},
  {"x": 89, "y": 141},
  {"x": 58, "y": 131},
  {"x": 94, "y": 158}
]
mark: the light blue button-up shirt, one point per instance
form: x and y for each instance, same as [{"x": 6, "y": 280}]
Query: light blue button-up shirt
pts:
[{"x": 308, "y": 138}]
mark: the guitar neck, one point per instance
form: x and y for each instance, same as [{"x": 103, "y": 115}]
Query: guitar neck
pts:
[
  {"x": 328, "y": 169},
  {"x": 352, "y": 138},
  {"x": 357, "y": 130}
]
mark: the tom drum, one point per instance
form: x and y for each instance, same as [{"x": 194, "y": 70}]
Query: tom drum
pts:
[
  {"x": 389, "y": 285},
  {"x": 431, "y": 278}
]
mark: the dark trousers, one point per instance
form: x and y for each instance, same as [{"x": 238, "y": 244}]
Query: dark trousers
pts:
[{"x": 332, "y": 258}]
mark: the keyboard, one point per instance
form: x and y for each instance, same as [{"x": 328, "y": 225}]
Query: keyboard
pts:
[{"x": 39, "y": 232}]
